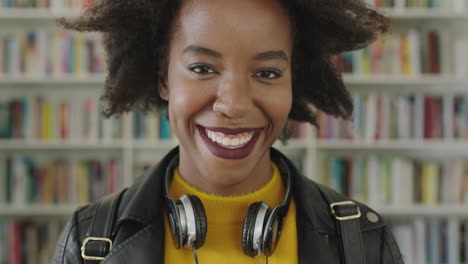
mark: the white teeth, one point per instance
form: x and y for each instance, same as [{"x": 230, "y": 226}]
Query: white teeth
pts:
[{"x": 229, "y": 142}]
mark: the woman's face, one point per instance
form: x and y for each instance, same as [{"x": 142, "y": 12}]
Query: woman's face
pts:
[{"x": 229, "y": 81}]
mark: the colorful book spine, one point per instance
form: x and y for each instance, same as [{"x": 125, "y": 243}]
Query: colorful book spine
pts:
[
  {"x": 38, "y": 117},
  {"x": 28, "y": 241},
  {"x": 28, "y": 180},
  {"x": 400, "y": 54},
  {"x": 44, "y": 53},
  {"x": 146, "y": 126},
  {"x": 165, "y": 126},
  {"x": 393, "y": 180},
  {"x": 384, "y": 116}
]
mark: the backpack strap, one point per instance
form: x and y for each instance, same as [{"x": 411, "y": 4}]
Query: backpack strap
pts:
[
  {"x": 347, "y": 215},
  {"x": 98, "y": 242}
]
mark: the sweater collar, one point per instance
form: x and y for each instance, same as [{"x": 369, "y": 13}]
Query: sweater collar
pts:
[{"x": 231, "y": 209}]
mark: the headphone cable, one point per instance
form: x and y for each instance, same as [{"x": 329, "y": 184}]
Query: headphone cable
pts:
[{"x": 195, "y": 257}]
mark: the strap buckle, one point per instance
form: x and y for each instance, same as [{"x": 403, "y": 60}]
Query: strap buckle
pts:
[
  {"x": 344, "y": 218},
  {"x": 88, "y": 239}
]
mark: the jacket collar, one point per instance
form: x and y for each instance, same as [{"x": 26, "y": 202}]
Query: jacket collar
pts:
[{"x": 312, "y": 210}]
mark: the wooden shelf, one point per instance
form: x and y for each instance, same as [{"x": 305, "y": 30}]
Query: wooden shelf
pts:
[
  {"x": 293, "y": 144},
  {"x": 153, "y": 144},
  {"x": 59, "y": 145},
  {"x": 424, "y": 13},
  {"x": 396, "y": 145},
  {"x": 442, "y": 211},
  {"x": 6, "y": 144},
  {"x": 36, "y": 13},
  {"x": 37, "y": 210},
  {"x": 423, "y": 80},
  {"x": 17, "y": 144},
  {"x": 92, "y": 79}
]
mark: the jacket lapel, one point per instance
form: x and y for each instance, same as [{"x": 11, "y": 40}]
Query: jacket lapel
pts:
[
  {"x": 317, "y": 240},
  {"x": 144, "y": 247},
  {"x": 139, "y": 231}
]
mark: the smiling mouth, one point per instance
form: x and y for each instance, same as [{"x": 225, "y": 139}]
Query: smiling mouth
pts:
[
  {"x": 228, "y": 140},
  {"x": 230, "y": 143}
]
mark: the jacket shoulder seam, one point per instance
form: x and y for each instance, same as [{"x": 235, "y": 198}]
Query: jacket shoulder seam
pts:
[{"x": 64, "y": 246}]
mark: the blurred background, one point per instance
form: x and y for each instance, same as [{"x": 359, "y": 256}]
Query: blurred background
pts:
[{"x": 405, "y": 152}]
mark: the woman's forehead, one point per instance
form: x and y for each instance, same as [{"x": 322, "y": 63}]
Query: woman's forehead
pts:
[{"x": 256, "y": 23}]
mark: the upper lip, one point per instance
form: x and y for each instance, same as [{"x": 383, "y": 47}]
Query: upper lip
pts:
[{"x": 232, "y": 131}]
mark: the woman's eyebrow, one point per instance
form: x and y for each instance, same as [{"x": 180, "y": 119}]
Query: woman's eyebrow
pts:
[
  {"x": 268, "y": 55},
  {"x": 202, "y": 50}
]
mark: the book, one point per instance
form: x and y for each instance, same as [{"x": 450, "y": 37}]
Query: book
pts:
[
  {"x": 4, "y": 120},
  {"x": 165, "y": 126},
  {"x": 407, "y": 53},
  {"x": 30, "y": 180},
  {"x": 397, "y": 180},
  {"x": 40, "y": 117},
  {"x": 42, "y": 53},
  {"x": 28, "y": 241},
  {"x": 453, "y": 241},
  {"x": 380, "y": 116},
  {"x": 404, "y": 237},
  {"x": 434, "y": 245},
  {"x": 3, "y": 183},
  {"x": 420, "y": 253}
]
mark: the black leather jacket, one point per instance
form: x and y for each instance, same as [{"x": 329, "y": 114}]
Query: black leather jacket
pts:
[{"x": 138, "y": 234}]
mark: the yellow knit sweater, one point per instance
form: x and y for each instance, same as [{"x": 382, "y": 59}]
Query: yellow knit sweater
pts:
[{"x": 225, "y": 216}]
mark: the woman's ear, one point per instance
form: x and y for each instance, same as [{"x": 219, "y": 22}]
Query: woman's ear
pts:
[{"x": 163, "y": 90}]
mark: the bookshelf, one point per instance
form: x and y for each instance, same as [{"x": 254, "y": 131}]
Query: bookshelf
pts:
[
  {"x": 66, "y": 82},
  {"x": 38, "y": 211},
  {"x": 306, "y": 149},
  {"x": 42, "y": 14}
]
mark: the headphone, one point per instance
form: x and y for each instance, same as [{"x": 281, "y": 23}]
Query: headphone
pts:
[{"x": 262, "y": 225}]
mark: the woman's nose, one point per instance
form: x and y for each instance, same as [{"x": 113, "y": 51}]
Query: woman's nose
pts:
[{"x": 234, "y": 98}]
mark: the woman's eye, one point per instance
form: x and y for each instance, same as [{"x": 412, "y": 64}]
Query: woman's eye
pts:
[
  {"x": 202, "y": 69},
  {"x": 268, "y": 74}
]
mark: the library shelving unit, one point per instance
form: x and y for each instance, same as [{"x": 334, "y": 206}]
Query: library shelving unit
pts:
[{"x": 309, "y": 151}]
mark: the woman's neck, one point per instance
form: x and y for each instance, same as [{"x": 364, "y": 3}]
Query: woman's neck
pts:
[{"x": 227, "y": 178}]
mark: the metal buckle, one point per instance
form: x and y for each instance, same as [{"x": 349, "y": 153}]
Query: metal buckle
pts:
[
  {"x": 349, "y": 217},
  {"x": 83, "y": 254}
]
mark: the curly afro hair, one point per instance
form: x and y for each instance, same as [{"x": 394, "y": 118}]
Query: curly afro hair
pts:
[{"x": 136, "y": 36}]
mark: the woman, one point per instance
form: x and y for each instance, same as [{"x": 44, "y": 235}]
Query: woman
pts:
[{"x": 231, "y": 74}]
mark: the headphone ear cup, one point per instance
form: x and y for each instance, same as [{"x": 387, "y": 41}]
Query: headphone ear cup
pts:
[
  {"x": 200, "y": 220},
  {"x": 272, "y": 231},
  {"x": 174, "y": 220},
  {"x": 249, "y": 233}
]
